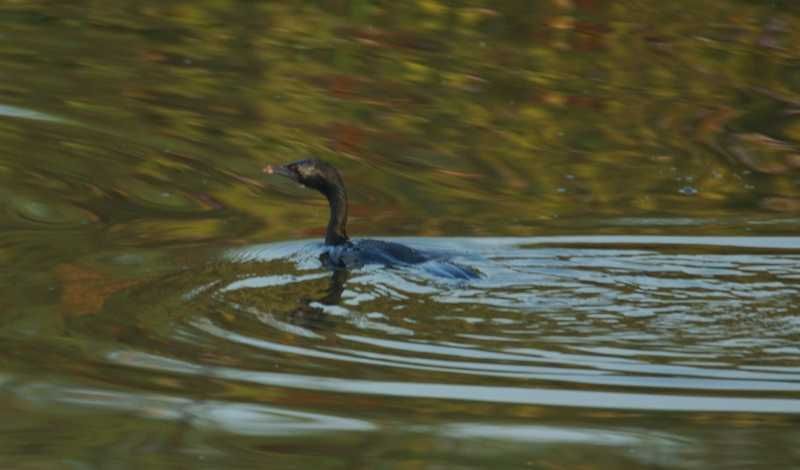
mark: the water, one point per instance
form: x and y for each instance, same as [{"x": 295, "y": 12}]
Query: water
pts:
[
  {"x": 623, "y": 176},
  {"x": 643, "y": 350}
]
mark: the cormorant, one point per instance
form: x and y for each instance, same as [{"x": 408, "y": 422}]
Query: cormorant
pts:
[{"x": 341, "y": 252}]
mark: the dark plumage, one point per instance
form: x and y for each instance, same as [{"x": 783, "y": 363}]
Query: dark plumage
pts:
[{"x": 341, "y": 251}]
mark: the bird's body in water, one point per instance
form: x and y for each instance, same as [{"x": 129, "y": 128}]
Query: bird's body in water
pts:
[{"x": 341, "y": 252}]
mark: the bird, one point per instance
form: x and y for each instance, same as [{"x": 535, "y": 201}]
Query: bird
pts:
[{"x": 342, "y": 252}]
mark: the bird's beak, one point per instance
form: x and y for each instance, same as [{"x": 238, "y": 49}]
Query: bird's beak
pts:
[{"x": 278, "y": 170}]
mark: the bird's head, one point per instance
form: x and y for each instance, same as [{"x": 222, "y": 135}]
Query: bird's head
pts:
[{"x": 311, "y": 173}]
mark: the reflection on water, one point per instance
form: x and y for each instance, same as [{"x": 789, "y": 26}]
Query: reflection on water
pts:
[
  {"x": 242, "y": 418},
  {"x": 16, "y": 112},
  {"x": 647, "y": 313},
  {"x": 264, "y": 342},
  {"x": 146, "y": 322}
]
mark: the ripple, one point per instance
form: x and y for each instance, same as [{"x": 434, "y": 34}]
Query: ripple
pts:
[
  {"x": 23, "y": 113},
  {"x": 237, "y": 418},
  {"x": 162, "y": 197},
  {"x": 681, "y": 324},
  {"x": 49, "y": 213},
  {"x": 494, "y": 394}
]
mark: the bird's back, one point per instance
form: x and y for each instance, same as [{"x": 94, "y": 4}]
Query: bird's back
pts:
[{"x": 363, "y": 252}]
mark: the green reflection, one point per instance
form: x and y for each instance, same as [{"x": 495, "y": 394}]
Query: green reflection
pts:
[{"x": 131, "y": 138}]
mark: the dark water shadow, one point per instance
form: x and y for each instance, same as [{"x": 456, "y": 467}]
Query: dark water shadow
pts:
[{"x": 309, "y": 314}]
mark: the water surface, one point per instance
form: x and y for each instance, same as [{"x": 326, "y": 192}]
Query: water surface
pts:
[{"x": 624, "y": 176}]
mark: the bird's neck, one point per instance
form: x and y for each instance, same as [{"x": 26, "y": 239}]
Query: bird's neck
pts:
[{"x": 336, "y": 234}]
